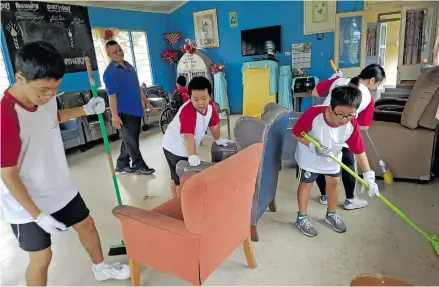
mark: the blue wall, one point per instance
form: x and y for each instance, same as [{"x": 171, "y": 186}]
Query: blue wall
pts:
[
  {"x": 155, "y": 24},
  {"x": 256, "y": 14}
]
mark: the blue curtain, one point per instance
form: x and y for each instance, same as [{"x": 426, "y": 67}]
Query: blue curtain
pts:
[
  {"x": 285, "y": 97},
  {"x": 220, "y": 92}
]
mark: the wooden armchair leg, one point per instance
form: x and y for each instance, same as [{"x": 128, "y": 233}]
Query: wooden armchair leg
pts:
[
  {"x": 254, "y": 233},
  {"x": 249, "y": 254},
  {"x": 135, "y": 274},
  {"x": 272, "y": 205}
]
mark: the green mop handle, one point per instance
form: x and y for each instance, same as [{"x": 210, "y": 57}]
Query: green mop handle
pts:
[
  {"x": 103, "y": 130},
  {"x": 383, "y": 199}
]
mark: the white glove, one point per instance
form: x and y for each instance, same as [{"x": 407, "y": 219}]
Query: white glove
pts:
[
  {"x": 50, "y": 224},
  {"x": 323, "y": 152},
  {"x": 194, "y": 160},
  {"x": 369, "y": 177},
  {"x": 223, "y": 142},
  {"x": 95, "y": 106},
  {"x": 338, "y": 74}
]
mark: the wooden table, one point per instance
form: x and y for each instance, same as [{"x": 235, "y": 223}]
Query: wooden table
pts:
[{"x": 297, "y": 97}]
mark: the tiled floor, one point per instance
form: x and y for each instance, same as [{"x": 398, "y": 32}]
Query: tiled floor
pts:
[{"x": 377, "y": 239}]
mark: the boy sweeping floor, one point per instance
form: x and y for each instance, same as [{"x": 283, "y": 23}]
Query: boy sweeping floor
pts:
[
  {"x": 185, "y": 132},
  {"x": 38, "y": 197},
  {"x": 331, "y": 126}
]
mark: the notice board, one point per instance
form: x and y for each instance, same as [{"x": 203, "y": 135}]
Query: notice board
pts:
[{"x": 67, "y": 27}]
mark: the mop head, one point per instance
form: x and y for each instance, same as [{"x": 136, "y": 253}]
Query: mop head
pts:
[
  {"x": 118, "y": 249},
  {"x": 435, "y": 243}
]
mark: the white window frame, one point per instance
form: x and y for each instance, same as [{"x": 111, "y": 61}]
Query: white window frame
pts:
[{"x": 130, "y": 56}]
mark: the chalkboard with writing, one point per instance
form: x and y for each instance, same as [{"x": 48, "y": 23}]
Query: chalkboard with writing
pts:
[{"x": 67, "y": 27}]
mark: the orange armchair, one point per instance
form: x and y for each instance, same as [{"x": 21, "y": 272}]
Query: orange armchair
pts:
[{"x": 192, "y": 236}]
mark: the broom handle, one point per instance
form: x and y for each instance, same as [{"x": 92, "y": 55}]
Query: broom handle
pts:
[
  {"x": 103, "y": 130},
  {"x": 383, "y": 199},
  {"x": 334, "y": 68},
  {"x": 373, "y": 145}
]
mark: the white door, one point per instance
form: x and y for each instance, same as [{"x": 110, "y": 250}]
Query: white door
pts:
[{"x": 418, "y": 24}]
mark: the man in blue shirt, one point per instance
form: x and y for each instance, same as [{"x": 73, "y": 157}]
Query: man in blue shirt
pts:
[{"x": 127, "y": 110}]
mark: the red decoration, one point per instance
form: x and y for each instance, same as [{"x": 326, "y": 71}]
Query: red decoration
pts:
[
  {"x": 172, "y": 38},
  {"x": 108, "y": 35},
  {"x": 218, "y": 68},
  {"x": 189, "y": 47},
  {"x": 172, "y": 56}
]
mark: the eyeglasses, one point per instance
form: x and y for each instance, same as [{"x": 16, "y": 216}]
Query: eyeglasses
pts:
[{"x": 342, "y": 116}]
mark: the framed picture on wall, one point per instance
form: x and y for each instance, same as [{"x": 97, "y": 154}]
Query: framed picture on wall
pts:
[
  {"x": 233, "y": 19},
  {"x": 206, "y": 29},
  {"x": 318, "y": 16}
]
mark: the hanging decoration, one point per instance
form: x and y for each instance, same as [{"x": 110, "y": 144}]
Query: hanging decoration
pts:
[
  {"x": 189, "y": 46},
  {"x": 172, "y": 56},
  {"x": 172, "y": 38},
  {"x": 106, "y": 34},
  {"x": 218, "y": 68}
]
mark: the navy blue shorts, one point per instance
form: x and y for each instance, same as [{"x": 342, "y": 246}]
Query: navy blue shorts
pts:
[{"x": 309, "y": 177}]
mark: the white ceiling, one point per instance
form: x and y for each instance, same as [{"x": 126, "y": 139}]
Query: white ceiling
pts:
[{"x": 161, "y": 6}]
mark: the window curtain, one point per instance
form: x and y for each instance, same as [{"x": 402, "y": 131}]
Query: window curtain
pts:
[
  {"x": 103, "y": 35},
  {"x": 414, "y": 28},
  {"x": 436, "y": 51},
  {"x": 371, "y": 41}
]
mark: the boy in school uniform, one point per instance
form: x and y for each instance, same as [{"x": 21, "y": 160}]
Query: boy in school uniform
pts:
[
  {"x": 332, "y": 126},
  {"x": 37, "y": 195},
  {"x": 185, "y": 132},
  {"x": 181, "y": 88}
]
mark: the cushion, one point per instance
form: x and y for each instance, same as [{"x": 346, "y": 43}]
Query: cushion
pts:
[
  {"x": 428, "y": 119},
  {"x": 421, "y": 95}
]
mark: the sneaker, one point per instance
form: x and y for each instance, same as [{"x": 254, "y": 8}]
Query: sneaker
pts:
[
  {"x": 124, "y": 170},
  {"x": 144, "y": 170},
  {"x": 116, "y": 271},
  {"x": 335, "y": 221},
  {"x": 323, "y": 200},
  {"x": 355, "y": 203},
  {"x": 305, "y": 225}
]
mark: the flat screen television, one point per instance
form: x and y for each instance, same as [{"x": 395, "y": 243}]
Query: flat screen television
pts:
[{"x": 254, "y": 41}]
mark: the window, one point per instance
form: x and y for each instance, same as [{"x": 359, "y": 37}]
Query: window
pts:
[
  {"x": 4, "y": 80},
  {"x": 135, "y": 47}
]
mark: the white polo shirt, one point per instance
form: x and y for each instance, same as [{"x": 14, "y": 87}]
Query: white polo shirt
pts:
[
  {"x": 313, "y": 122},
  {"x": 31, "y": 140},
  {"x": 188, "y": 121}
]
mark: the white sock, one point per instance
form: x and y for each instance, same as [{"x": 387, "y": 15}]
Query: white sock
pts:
[{"x": 99, "y": 267}]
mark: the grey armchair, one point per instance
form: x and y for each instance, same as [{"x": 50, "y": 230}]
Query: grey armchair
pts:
[
  {"x": 271, "y": 132},
  {"x": 92, "y": 128},
  {"x": 72, "y": 132}
]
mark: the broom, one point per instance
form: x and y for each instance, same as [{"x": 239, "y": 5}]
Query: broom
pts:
[
  {"x": 433, "y": 239},
  {"x": 118, "y": 249},
  {"x": 387, "y": 175}
]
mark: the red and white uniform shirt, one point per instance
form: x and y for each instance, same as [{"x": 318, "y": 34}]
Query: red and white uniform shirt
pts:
[
  {"x": 313, "y": 121},
  {"x": 188, "y": 121},
  {"x": 31, "y": 140},
  {"x": 184, "y": 93},
  {"x": 367, "y": 106}
]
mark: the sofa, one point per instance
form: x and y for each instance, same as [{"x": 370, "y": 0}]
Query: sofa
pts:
[
  {"x": 91, "y": 125},
  {"x": 190, "y": 237},
  {"x": 407, "y": 139},
  {"x": 72, "y": 131}
]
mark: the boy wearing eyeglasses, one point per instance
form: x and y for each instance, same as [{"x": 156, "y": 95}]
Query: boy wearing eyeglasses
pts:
[{"x": 332, "y": 126}]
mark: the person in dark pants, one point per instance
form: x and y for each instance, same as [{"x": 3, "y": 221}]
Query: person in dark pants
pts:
[
  {"x": 127, "y": 110},
  {"x": 367, "y": 81}
]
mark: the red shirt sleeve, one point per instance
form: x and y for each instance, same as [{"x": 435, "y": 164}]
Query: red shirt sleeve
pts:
[
  {"x": 304, "y": 123},
  {"x": 355, "y": 141},
  {"x": 324, "y": 87},
  {"x": 365, "y": 118},
  {"x": 214, "y": 120},
  {"x": 188, "y": 119},
  {"x": 10, "y": 133}
]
